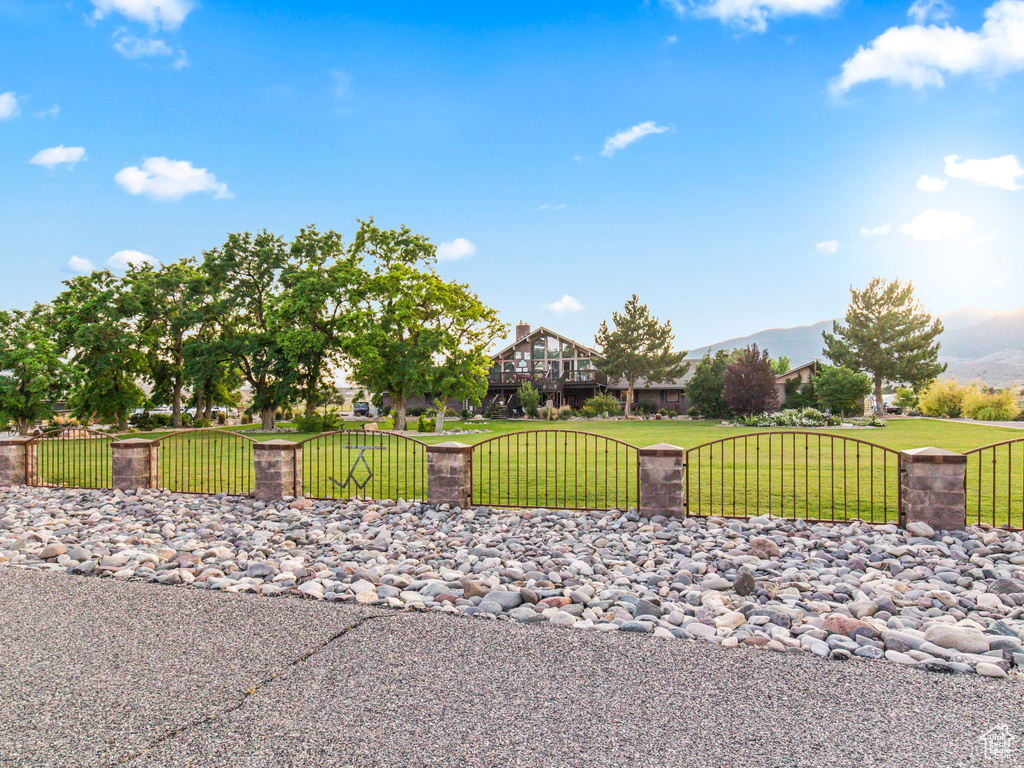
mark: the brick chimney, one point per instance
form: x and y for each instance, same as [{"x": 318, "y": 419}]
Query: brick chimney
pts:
[{"x": 522, "y": 330}]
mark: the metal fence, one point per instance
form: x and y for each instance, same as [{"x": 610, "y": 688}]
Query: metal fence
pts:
[
  {"x": 353, "y": 463},
  {"x": 556, "y": 469},
  {"x": 70, "y": 457},
  {"x": 206, "y": 461},
  {"x": 794, "y": 474},
  {"x": 994, "y": 484}
]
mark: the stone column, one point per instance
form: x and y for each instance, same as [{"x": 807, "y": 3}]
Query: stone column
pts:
[
  {"x": 662, "y": 485},
  {"x": 932, "y": 488},
  {"x": 450, "y": 474},
  {"x": 14, "y": 460},
  {"x": 277, "y": 467},
  {"x": 136, "y": 464}
]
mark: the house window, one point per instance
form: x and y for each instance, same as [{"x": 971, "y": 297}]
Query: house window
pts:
[
  {"x": 672, "y": 396},
  {"x": 519, "y": 355}
]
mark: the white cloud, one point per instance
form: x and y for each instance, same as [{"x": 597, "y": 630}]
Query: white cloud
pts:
[
  {"x": 919, "y": 56},
  {"x": 55, "y": 156},
  {"x": 165, "y": 179},
  {"x": 753, "y": 15},
  {"x": 51, "y": 112},
  {"x": 459, "y": 248},
  {"x": 137, "y": 48},
  {"x": 125, "y": 259},
  {"x": 623, "y": 139},
  {"x": 565, "y": 304},
  {"x": 551, "y": 207},
  {"x": 827, "y": 247},
  {"x": 876, "y": 231},
  {"x": 78, "y": 264},
  {"x": 933, "y": 225},
  {"x": 342, "y": 83},
  {"x": 672, "y": 39},
  {"x": 168, "y": 14},
  {"x": 931, "y": 184},
  {"x": 182, "y": 61},
  {"x": 1001, "y": 172},
  {"x": 929, "y": 10},
  {"x": 9, "y": 107}
]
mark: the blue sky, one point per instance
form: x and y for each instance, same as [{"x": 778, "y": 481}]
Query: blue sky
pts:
[{"x": 736, "y": 163}]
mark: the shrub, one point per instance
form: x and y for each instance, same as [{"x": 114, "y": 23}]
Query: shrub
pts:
[
  {"x": 601, "y": 403},
  {"x": 808, "y": 417},
  {"x": 905, "y": 398},
  {"x": 565, "y": 412},
  {"x": 646, "y": 407},
  {"x": 309, "y": 423},
  {"x": 942, "y": 398},
  {"x": 989, "y": 406},
  {"x": 530, "y": 399},
  {"x": 200, "y": 423},
  {"x": 416, "y": 410},
  {"x": 668, "y": 413},
  {"x": 425, "y": 423},
  {"x": 464, "y": 414},
  {"x": 707, "y": 387},
  {"x": 247, "y": 418},
  {"x": 798, "y": 395},
  {"x": 222, "y": 418}
]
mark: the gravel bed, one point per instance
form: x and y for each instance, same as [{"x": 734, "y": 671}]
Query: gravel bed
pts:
[{"x": 947, "y": 602}]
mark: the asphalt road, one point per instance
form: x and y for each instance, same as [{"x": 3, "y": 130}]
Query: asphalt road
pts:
[{"x": 104, "y": 673}]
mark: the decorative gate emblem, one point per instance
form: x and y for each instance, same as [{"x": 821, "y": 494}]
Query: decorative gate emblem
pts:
[{"x": 352, "y": 471}]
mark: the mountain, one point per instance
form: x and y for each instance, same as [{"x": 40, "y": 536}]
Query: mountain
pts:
[{"x": 977, "y": 344}]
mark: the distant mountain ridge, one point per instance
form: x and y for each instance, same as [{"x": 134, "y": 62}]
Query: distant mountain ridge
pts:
[{"x": 982, "y": 344}]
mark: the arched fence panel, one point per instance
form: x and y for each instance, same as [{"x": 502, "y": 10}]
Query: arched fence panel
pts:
[
  {"x": 995, "y": 484},
  {"x": 70, "y": 457},
  {"x": 206, "y": 461},
  {"x": 556, "y": 469},
  {"x": 809, "y": 475},
  {"x": 356, "y": 464}
]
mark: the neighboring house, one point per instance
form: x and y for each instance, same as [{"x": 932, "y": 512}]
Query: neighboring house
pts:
[{"x": 804, "y": 373}]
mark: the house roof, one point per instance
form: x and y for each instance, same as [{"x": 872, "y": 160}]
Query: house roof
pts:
[
  {"x": 813, "y": 362},
  {"x": 548, "y": 332}
]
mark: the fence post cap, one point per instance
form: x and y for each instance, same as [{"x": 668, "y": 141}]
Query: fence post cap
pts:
[
  {"x": 450, "y": 446},
  {"x": 15, "y": 439},
  {"x": 274, "y": 445},
  {"x": 661, "y": 449},
  {"x": 931, "y": 455},
  {"x": 131, "y": 442}
]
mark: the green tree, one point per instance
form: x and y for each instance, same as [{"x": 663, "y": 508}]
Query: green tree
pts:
[
  {"x": 244, "y": 278},
  {"x": 706, "y": 388},
  {"x": 94, "y": 318},
  {"x": 317, "y": 311},
  {"x": 749, "y": 382},
  {"x": 781, "y": 365},
  {"x": 169, "y": 299},
  {"x": 888, "y": 335},
  {"x": 530, "y": 399},
  {"x": 906, "y": 398},
  {"x": 639, "y": 347},
  {"x": 419, "y": 333},
  {"x": 840, "y": 389},
  {"x": 34, "y": 376}
]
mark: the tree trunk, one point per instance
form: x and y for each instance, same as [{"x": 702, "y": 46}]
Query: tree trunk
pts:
[
  {"x": 879, "y": 405},
  {"x": 310, "y": 406},
  {"x": 398, "y": 406},
  {"x": 176, "y": 405},
  {"x": 439, "y": 420},
  {"x": 267, "y": 417},
  {"x": 629, "y": 400},
  {"x": 199, "y": 404},
  {"x": 122, "y": 422}
]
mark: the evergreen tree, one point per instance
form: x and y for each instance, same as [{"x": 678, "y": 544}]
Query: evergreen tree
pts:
[
  {"x": 706, "y": 388},
  {"x": 750, "y": 383},
  {"x": 639, "y": 348},
  {"x": 887, "y": 334}
]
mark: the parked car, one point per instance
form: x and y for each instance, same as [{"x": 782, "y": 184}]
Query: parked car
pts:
[
  {"x": 896, "y": 409},
  {"x": 360, "y": 409}
]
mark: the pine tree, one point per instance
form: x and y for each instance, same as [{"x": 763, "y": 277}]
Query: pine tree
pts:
[
  {"x": 887, "y": 334},
  {"x": 639, "y": 347}
]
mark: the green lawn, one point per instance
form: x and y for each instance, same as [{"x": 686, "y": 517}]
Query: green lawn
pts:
[{"x": 814, "y": 474}]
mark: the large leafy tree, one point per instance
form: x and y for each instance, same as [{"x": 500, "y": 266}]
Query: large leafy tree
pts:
[
  {"x": 317, "y": 311},
  {"x": 639, "y": 347},
  {"x": 418, "y": 332},
  {"x": 889, "y": 335},
  {"x": 840, "y": 389},
  {"x": 244, "y": 280},
  {"x": 34, "y": 376},
  {"x": 170, "y": 300},
  {"x": 706, "y": 388},
  {"x": 749, "y": 382},
  {"x": 94, "y": 320}
]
